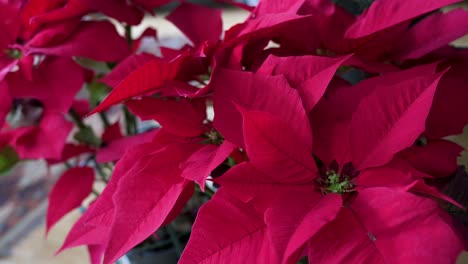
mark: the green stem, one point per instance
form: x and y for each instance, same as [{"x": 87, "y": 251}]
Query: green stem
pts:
[
  {"x": 200, "y": 82},
  {"x": 209, "y": 192},
  {"x": 130, "y": 122},
  {"x": 108, "y": 166},
  {"x": 128, "y": 35},
  {"x": 100, "y": 171},
  {"x": 86, "y": 134},
  {"x": 95, "y": 192},
  {"x": 174, "y": 239},
  {"x": 76, "y": 119},
  {"x": 104, "y": 119}
]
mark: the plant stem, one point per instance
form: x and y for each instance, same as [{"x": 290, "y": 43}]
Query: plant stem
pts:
[
  {"x": 97, "y": 166},
  {"x": 108, "y": 166},
  {"x": 128, "y": 35},
  {"x": 100, "y": 171},
  {"x": 130, "y": 122},
  {"x": 76, "y": 119},
  {"x": 86, "y": 134},
  {"x": 95, "y": 192},
  {"x": 208, "y": 192},
  {"x": 174, "y": 239},
  {"x": 104, "y": 119}
]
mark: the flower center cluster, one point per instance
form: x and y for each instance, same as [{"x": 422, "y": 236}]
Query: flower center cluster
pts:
[
  {"x": 213, "y": 137},
  {"x": 334, "y": 179},
  {"x": 334, "y": 183}
]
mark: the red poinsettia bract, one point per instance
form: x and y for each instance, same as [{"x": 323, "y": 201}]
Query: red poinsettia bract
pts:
[
  {"x": 300, "y": 206},
  {"x": 332, "y": 168}
]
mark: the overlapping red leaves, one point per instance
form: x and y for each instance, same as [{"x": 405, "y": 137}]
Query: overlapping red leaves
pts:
[{"x": 331, "y": 126}]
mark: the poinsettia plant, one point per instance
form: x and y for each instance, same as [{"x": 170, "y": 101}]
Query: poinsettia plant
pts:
[{"x": 315, "y": 131}]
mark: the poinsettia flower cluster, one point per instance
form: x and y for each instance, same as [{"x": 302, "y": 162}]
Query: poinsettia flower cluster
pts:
[
  {"x": 328, "y": 136},
  {"x": 39, "y": 78}
]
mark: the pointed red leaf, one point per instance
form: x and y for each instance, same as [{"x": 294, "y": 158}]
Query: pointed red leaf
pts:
[
  {"x": 294, "y": 219},
  {"x": 449, "y": 119},
  {"x": 255, "y": 91},
  {"x": 5, "y": 102},
  {"x": 438, "y": 158},
  {"x": 94, "y": 226},
  {"x": 68, "y": 193},
  {"x": 420, "y": 187},
  {"x": 397, "y": 119},
  {"x": 45, "y": 141},
  {"x": 141, "y": 80},
  {"x": 71, "y": 9},
  {"x": 70, "y": 151},
  {"x": 149, "y": 194},
  {"x": 278, "y": 6},
  {"x": 112, "y": 132},
  {"x": 199, "y": 23},
  {"x": 47, "y": 83},
  {"x": 125, "y": 68},
  {"x": 311, "y": 77},
  {"x": 9, "y": 25},
  {"x": 270, "y": 140},
  {"x": 400, "y": 175},
  {"x": 181, "y": 202},
  {"x": 383, "y": 14},
  {"x": 182, "y": 117},
  {"x": 381, "y": 225},
  {"x": 95, "y": 253},
  {"x": 6, "y": 65},
  {"x": 249, "y": 184},
  {"x": 331, "y": 127},
  {"x": 81, "y": 107},
  {"x": 243, "y": 236},
  {"x": 202, "y": 162},
  {"x": 121, "y": 10},
  {"x": 266, "y": 19},
  {"x": 349, "y": 97},
  {"x": 150, "y": 5},
  {"x": 54, "y": 34},
  {"x": 32, "y": 8},
  {"x": 245, "y": 182},
  {"x": 86, "y": 42},
  {"x": 419, "y": 41},
  {"x": 115, "y": 149}
]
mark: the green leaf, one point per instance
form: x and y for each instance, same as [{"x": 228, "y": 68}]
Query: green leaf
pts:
[
  {"x": 97, "y": 92},
  {"x": 8, "y": 159},
  {"x": 96, "y": 66},
  {"x": 86, "y": 136}
]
